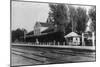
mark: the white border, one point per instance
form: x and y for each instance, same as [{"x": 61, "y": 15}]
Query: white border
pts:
[{"x": 5, "y": 33}]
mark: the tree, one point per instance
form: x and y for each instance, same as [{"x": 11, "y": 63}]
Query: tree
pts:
[
  {"x": 18, "y": 34},
  {"x": 58, "y": 16},
  {"x": 82, "y": 19},
  {"x": 68, "y": 18},
  {"x": 73, "y": 17},
  {"x": 78, "y": 19},
  {"x": 92, "y": 15}
]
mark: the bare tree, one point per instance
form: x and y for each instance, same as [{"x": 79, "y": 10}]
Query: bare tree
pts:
[{"x": 92, "y": 15}]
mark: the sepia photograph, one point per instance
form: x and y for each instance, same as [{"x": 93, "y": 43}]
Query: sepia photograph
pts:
[{"x": 51, "y": 33}]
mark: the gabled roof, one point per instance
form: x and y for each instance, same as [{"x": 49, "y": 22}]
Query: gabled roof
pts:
[
  {"x": 43, "y": 29},
  {"x": 49, "y": 29},
  {"x": 30, "y": 33},
  {"x": 72, "y": 34},
  {"x": 46, "y": 24}
]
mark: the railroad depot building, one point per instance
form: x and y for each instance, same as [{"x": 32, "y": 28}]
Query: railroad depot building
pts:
[
  {"x": 44, "y": 32},
  {"x": 47, "y": 32}
]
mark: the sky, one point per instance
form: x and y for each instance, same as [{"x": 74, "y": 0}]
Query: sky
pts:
[{"x": 26, "y": 14}]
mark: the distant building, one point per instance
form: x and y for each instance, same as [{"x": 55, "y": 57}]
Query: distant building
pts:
[
  {"x": 42, "y": 28},
  {"x": 37, "y": 29}
]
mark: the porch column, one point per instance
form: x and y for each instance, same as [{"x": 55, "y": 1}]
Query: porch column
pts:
[
  {"x": 93, "y": 39},
  {"x": 83, "y": 43}
]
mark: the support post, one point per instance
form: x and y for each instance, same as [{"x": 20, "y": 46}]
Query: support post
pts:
[
  {"x": 58, "y": 43},
  {"x": 37, "y": 42},
  {"x": 54, "y": 42},
  {"x": 83, "y": 43},
  {"x": 93, "y": 39}
]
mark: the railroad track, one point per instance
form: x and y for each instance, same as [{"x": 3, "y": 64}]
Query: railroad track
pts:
[
  {"x": 67, "y": 52},
  {"x": 73, "y": 54},
  {"x": 49, "y": 56},
  {"x": 28, "y": 57},
  {"x": 61, "y": 52},
  {"x": 40, "y": 57},
  {"x": 35, "y": 54}
]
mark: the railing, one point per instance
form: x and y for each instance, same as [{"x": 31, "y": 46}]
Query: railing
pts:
[
  {"x": 47, "y": 43},
  {"x": 54, "y": 43}
]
